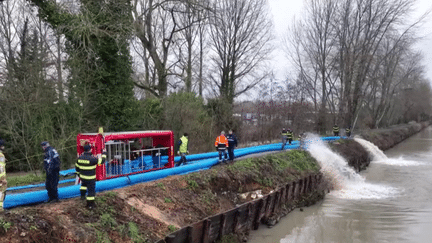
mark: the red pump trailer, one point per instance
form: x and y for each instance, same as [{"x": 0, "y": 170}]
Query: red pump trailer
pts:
[{"x": 130, "y": 152}]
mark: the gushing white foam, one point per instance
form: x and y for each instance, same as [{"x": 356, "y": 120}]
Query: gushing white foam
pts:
[
  {"x": 334, "y": 166},
  {"x": 364, "y": 190},
  {"x": 347, "y": 183},
  {"x": 376, "y": 153},
  {"x": 400, "y": 162}
]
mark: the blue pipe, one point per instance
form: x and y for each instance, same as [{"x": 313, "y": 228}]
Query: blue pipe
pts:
[{"x": 197, "y": 162}]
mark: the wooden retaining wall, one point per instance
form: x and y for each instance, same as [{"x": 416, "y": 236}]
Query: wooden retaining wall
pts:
[{"x": 246, "y": 216}]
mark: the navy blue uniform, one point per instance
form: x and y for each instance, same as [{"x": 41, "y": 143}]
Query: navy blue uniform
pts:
[
  {"x": 232, "y": 143},
  {"x": 86, "y": 166},
  {"x": 52, "y": 168}
]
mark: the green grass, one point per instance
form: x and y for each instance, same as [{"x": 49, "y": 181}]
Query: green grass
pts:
[{"x": 24, "y": 179}]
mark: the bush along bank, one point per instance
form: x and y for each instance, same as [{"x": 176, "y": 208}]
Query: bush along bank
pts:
[{"x": 389, "y": 137}]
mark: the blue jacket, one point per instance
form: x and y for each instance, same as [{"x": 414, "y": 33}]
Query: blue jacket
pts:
[
  {"x": 232, "y": 140},
  {"x": 51, "y": 160}
]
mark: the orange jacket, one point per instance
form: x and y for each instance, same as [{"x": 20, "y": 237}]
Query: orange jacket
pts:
[{"x": 221, "y": 141}]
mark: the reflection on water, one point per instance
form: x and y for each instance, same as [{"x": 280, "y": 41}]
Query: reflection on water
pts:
[{"x": 390, "y": 204}]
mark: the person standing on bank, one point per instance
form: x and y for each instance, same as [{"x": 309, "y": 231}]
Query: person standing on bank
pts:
[
  {"x": 87, "y": 163},
  {"x": 290, "y": 135},
  {"x": 232, "y": 143},
  {"x": 3, "y": 181},
  {"x": 52, "y": 168},
  {"x": 348, "y": 131},
  {"x": 183, "y": 144},
  {"x": 284, "y": 135},
  {"x": 221, "y": 145},
  {"x": 335, "y": 130}
]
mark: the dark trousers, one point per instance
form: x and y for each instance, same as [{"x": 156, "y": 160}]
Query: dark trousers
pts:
[
  {"x": 88, "y": 187},
  {"x": 182, "y": 159},
  {"x": 231, "y": 153},
  {"x": 224, "y": 152},
  {"x": 51, "y": 183},
  {"x": 284, "y": 140}
]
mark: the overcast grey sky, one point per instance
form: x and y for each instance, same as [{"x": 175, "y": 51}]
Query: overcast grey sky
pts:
[{"x": 285, "y": 11}]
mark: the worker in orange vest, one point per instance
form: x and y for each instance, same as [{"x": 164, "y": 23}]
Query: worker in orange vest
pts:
[{"x": 221, "y": 145}]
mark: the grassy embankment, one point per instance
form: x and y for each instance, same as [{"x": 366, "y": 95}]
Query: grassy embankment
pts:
[{"x": 148, "y": 211}]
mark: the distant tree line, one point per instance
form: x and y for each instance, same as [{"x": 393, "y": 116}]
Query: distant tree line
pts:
[{"x": 356, "y": 63}]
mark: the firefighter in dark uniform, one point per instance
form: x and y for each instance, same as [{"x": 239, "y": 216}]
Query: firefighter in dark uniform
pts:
[
  {"x": 290, "y": 136},
  {"x": 52, "y": 168},
  {"x": 86, "y": 168},
  {"x": 348, "y": 131},
  {"x": 284, "y": 135},
  {"x": 335, "y": 130},
  {"x": 232, "y": 143}
]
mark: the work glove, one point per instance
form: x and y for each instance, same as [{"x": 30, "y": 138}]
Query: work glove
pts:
[
  {"x": 178, "y": 152},
  {"x": 187, "y": 152}
]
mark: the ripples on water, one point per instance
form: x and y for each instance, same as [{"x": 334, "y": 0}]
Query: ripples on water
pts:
[{"x": 392, "y": 205}]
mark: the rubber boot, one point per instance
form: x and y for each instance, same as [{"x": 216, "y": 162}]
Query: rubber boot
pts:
[{"x": 90, "y": 205}]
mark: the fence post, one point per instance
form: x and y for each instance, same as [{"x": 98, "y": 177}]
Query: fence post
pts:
[
  {"x": 257, "y": 221},
  {"x": 287, "y": 189},
  {"x": 222, "y": 226},
  {"x": 236, "y": 221},
  {"x": 170, "y": 239},
  {"x": 206, "y": 231},
  {"x": 291, "y": 191},
  {"x": 276, "y": 201},
  {"x": 190, "y": 233}
]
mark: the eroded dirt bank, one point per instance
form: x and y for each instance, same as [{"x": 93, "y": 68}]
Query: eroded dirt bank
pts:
[{"x": 149, "y": 211}]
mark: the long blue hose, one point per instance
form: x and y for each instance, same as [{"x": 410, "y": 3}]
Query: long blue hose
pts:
[{"x": 196, "y": 162}]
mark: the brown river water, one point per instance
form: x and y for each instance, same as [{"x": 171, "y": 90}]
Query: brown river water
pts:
[{"x": 390, "y": 201}]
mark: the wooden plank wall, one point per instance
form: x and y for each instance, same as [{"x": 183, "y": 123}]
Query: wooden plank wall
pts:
[{"x": 246, "y": 216}]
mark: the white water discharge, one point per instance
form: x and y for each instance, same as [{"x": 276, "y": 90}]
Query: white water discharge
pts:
[
  {"x": 347, "y": 183},
  {"x": 380, "y": 157},
  {"x": 376, "y": 153}
]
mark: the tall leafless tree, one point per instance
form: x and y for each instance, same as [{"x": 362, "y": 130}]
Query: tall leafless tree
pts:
[
  {"x": 158, "y": 27},
  {"x": 241, "y": 34},
  {"x": 349, "y": 56}
]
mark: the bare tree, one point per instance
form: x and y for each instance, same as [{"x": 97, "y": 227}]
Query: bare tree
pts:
[
  {"x": 240, "y": 33},
  {"x": 157, "y": 26},
  {"x": 364, "y": 28},
  {"x": 349, "y": 56},
  {"x": 313, "y": 39}
]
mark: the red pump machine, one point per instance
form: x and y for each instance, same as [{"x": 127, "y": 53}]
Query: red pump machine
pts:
[{"x": 130, "y": 152}]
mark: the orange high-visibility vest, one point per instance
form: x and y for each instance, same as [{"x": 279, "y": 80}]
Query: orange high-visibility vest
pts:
[{"x": 221, "y": 140}]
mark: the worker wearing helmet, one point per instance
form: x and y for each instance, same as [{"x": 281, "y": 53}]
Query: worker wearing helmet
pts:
[
  {"x": 221, "y": 145},
  {"x": 3, "y": 182},
  {"x": 86, "y": 166},
  {"x": 52, "y": 168}
]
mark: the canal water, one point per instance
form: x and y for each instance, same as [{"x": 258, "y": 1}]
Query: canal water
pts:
[{"x": 390, "y": 201}]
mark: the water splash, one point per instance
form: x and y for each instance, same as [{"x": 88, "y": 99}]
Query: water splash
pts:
[
  {"x": 333, "y": 165},
  {"x": 401, "y": 161},
  {"x": 376, "y": 153},
  {"x": 346, "y": 183}
]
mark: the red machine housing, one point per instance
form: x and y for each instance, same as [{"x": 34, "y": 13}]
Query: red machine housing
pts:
[{"x": 100, "y": 141}]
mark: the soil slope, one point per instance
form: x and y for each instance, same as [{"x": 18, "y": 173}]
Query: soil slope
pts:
[{"x": 149, "y": 211}]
